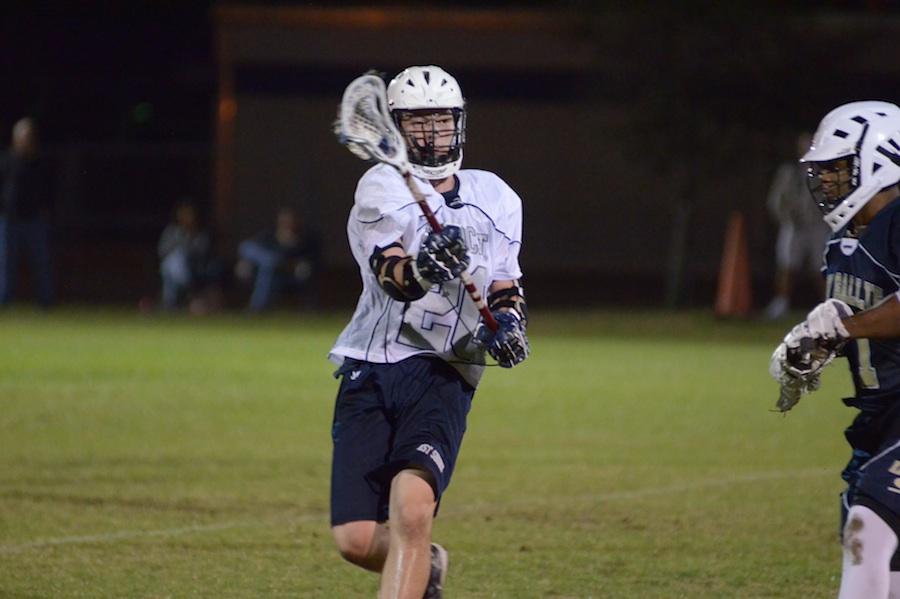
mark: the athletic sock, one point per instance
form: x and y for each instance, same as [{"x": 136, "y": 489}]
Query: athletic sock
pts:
[{"x": 869, "y": 544}]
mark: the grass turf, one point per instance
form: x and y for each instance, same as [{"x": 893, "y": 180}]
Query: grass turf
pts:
[{"x": 632, "y": 456}]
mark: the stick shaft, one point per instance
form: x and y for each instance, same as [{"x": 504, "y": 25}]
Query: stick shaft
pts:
[{"x": 469, "y": 284}]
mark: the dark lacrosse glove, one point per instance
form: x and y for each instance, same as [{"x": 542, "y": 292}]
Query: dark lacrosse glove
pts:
[
  {"x": 508, "y": 345},
  {"x": 443, "y": 255}
]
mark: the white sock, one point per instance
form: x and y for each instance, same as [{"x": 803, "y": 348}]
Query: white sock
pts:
[
  {"x": 895, "y": 586},
  {"x": 869, "y": 544}
]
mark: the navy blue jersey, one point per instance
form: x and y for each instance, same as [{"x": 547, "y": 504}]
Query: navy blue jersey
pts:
[{"x": 862, "y": 272}]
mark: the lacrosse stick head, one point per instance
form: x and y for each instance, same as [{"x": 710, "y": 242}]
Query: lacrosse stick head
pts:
[{"x": 365, "y": 126}]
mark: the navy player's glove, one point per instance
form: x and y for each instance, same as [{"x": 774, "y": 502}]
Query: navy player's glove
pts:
[
  {"x": 443, "y": 255},
  {"x": 508, "y": 345}
]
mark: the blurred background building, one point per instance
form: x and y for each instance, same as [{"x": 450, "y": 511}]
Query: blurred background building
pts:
[{"x": 631, "y": 134}]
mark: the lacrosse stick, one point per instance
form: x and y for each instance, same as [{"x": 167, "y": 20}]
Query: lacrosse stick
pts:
[{"x": 365, "y": 126}]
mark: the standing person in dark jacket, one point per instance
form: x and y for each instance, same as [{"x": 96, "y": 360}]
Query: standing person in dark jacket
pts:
[{"x": 25, "y": 207}]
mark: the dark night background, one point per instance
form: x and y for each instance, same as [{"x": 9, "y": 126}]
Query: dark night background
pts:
[{"x": 687, "y": 110}]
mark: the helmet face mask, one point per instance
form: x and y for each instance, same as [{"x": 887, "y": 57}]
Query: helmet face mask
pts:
[
  {"x": 429, "y": 110},
  {"x": 434, "y": 138},
  {"x": 831, "y": 182}
]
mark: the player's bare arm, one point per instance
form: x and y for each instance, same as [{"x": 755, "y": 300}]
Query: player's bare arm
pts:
[{"x": 880, "y": 322}]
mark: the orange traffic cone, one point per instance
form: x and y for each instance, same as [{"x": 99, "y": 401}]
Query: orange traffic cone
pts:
[{"x": 733, "y": 295}]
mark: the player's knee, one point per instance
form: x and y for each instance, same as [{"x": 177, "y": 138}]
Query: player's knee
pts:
[
  {"x": 354, "y": 541},
  {"x": 413, "y": 519},
  {"x": 412, "y": 504},
  {"x": 868, "y": 538}
]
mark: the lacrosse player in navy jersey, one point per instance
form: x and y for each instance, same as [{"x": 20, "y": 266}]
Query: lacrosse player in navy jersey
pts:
[
  {"x": 854, "y": 167},
  {"x": 413, "y": 353}
]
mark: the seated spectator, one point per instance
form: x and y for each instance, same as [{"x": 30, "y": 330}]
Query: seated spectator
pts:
[
  {"x": 284, "y": 259},
  {"x": 186, "y": 263}
]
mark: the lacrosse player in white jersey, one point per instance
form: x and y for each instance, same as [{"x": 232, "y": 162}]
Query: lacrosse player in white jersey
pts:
[{"x": 414, "y": 351}]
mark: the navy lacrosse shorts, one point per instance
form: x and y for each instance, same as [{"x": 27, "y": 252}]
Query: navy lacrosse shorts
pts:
[
  {"x": 388, "y": 417},
  {"x": 875, "y": 483}
]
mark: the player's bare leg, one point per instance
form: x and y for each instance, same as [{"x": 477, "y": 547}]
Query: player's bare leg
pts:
[
  {"x": 364, "y": 543},
  {"x": 408, "y": 564},
  {"x": 869, "y": 544}
]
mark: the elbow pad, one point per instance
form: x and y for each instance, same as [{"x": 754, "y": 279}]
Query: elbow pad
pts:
[
  {"x": 398, "y": 275},
  {"x": 512, "y": 299}
]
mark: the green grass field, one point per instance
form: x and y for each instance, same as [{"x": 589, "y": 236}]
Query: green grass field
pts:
[{"x": 633, "y": 455}]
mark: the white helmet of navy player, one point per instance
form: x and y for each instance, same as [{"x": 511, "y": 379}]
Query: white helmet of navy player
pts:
[
  {"x": 855, "y": 154},
  {"x": 429, "y": 110}
]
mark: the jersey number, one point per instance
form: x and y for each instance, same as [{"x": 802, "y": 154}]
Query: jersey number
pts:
[
  {"x": 435, "y": 327},
  {"x": 441, "y": 326},
  {"x": 867, "y": 375},
  {"x": 439, "y": 320}
]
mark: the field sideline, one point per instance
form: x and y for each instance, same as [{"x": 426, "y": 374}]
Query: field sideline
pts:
[{"x": 634, "y": 455}]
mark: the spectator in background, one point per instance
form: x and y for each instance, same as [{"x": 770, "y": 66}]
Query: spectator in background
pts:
[
  {"x": 279, "y": 260},
  {"x": 802, "y": 233},
  {"x": 26, "y": 204},
  {"x": 186, "y": 261}
]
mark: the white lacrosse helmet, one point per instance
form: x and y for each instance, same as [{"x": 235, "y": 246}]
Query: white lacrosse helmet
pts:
[
  {"x": 860, "y": 143},
  {"x": 425, "y": 90}
]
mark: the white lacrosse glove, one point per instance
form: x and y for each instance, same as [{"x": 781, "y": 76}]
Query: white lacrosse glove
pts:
[{"x": 825, "y": 321}]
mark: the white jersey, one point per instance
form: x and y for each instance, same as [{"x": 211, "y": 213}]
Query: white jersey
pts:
[{"x": 441, "y": 323}]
